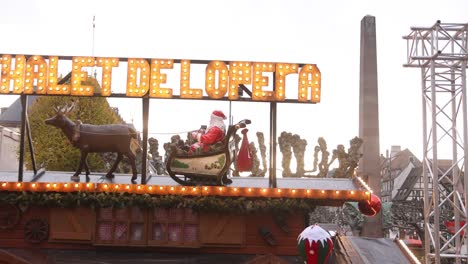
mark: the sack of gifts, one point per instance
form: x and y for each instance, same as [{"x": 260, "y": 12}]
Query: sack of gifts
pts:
[{"x": 245, "y": 157}]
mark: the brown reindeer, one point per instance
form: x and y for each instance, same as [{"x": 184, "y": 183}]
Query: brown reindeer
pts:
[{"x": 118, "y": 138}]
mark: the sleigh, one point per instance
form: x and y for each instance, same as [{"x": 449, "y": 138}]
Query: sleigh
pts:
[{"x": 206, "y": 168}]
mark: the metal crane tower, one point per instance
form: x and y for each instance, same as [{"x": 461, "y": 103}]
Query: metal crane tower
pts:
[{"x": 441, "y": 51}]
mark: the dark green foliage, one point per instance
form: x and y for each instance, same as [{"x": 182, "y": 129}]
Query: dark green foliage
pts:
[{"x": 278, "y": 206}]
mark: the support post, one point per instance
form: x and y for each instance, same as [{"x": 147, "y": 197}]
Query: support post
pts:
[
  {"x": 273, "y": 113},
  {"x": 31, "y": 147},
  {"x": 144, "y": 155},
  {"x": 24, "y": 106}
]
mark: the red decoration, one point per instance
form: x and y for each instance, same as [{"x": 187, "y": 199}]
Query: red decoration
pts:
[
  {"x": 315, "y": 245},
  {"x": 451, "y": 227},
  {"x": 244, "y": 158},
  {"x": 370, "y": 207}
]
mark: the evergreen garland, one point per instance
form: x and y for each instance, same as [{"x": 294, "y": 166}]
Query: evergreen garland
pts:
[{"x": 120, "y": 200}]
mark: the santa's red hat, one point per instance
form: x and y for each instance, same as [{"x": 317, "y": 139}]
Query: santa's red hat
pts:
[{"x": 219, "y": 114}]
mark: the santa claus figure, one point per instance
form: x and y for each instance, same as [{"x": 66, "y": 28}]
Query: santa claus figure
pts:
[{"x": 214, "y": 133}]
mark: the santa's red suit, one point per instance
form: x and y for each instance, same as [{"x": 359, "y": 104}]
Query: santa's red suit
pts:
[{"x": 215, "y": 133}]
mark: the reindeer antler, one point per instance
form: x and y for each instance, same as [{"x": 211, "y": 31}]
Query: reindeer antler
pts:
[
  {"x": 71, "y": 107},
  {"x": 65, "y": 109}
]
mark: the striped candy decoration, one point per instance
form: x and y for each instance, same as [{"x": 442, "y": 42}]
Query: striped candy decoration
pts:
[{"x": 314, "y": 245}]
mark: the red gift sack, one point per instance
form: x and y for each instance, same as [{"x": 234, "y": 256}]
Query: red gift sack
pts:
[{"x": 244, "y": 157}]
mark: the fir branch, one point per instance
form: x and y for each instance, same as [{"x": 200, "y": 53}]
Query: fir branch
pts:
[{"x": 196, "y": 203}]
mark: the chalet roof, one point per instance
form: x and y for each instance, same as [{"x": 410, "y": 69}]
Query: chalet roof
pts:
[
  {"x": 349, "y": 249},
  {"x": 12, "y": 116},
  {"x": 339, "y": 184},
  {"x": 324, "y": 191},
  {"x": 401, "y": 160},
  {"x": 408, "y": 184},
  {"x": 444, "y": 165}
]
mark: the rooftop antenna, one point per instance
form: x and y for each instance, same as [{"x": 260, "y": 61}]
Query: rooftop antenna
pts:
[{"x": 94, "y": 29}]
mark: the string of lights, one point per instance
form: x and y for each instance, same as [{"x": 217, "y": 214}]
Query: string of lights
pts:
[{"x": 348, "y": 195}]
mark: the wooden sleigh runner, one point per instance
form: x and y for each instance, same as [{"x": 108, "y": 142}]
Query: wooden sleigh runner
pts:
[{"x": 206, "y": 168}]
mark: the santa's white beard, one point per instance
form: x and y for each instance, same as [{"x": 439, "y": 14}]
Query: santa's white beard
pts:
[{"x": 217, "y": 122}]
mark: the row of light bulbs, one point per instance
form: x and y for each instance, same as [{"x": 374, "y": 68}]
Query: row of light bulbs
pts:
[
  {"x": 238, "y": 73},
  {"x": 363, "y": 184},
  {"x": 355, "y": 195}
]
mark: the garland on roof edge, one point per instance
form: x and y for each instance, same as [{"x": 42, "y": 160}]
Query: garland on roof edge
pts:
[{"x": 120, "y": 200}]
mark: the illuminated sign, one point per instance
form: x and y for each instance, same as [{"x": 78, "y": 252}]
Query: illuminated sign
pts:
[{"x": 37, "y": 74}]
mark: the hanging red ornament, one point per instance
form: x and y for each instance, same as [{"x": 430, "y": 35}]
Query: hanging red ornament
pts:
[
  {"x": 245, "y": 157},
  {"x": 370, "y": 207}
]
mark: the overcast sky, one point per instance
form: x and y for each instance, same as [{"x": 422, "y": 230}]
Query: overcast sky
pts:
[{"x": 326, "y": 33}]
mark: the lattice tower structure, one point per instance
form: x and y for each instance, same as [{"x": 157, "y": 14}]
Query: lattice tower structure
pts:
[{"x": 441, "y": 52}]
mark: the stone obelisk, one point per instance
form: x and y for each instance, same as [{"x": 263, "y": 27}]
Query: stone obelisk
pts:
[{"x": 369, "y": 166}]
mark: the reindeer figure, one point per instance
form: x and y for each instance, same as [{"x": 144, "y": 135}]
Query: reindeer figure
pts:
[{"x": 118, "y": 138}]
